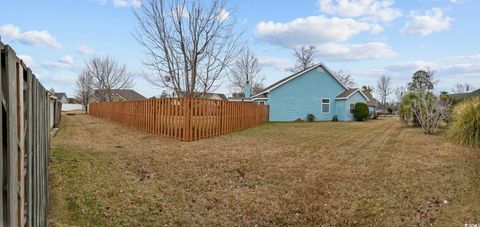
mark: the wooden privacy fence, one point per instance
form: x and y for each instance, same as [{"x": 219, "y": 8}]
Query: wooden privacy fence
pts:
[
  {"x": 24, "y": 121},
  {"x": 186, "y": 119}
]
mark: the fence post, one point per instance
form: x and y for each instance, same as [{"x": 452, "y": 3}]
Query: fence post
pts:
[{"x": 12, "y": 149}]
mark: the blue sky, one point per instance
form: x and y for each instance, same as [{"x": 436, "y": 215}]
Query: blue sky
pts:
[{"x": 365, "y": 38}]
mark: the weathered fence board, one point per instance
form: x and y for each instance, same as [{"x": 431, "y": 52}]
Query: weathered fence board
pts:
[
  {"x": 25, "y": 117},
  {"x": 186, "y": 119}
]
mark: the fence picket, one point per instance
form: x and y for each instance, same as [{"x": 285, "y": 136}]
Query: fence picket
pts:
[{"x": 185, "y": 119}]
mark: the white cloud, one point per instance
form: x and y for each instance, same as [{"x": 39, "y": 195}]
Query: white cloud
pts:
[
  {"x": 412, "y": 66},
  {"x": 35, "y": 38},
  {"x": 439, "y": 68},
  {"x": 179, "y": 11},
  {"x": 27, "y": 59},
  {"x": 85, "y": 50},
  {"x": 121, "y": 3},
  {"x": 312, "y": 30},
  {"x": 278, "y": 63},
  {"x": 375, "y": 10},
  {"x": 136, "y": 3},
  {"x": 66, "y": 62},
  {"x": 224, "y": 15},
  {"x": 67, "y": 59},
  {"x": 461, "y": 69},
  {"x": 465, "y": 58},
  {"x": 327, "y": 34},
  {"x": 423, "y": 24},
  {"x": 362, "y": 51}
]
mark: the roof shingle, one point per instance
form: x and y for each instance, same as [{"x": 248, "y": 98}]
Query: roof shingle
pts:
[{"x": 346, "y": 93}]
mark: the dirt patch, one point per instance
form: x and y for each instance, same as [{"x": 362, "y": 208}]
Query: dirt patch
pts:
[{"x": 329, "y": 173}]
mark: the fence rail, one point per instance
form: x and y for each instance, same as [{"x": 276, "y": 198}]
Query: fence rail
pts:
[
  {"x": 186, "y": 119},
  {"x": 25, "y": 117}
]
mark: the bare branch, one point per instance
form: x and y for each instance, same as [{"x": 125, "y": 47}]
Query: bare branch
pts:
[
  {"x": 384, "y": 88},
  {"x": 106, "y": 75},
  {"x": 345, "y": 78},
  {"x": 246, "y": 71},
  {"x": 84, "y": 88},
  {"x": 189, "y": 45},
  {"x": 305, "y": 57}
]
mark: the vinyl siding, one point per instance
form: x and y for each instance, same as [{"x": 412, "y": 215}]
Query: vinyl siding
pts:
[
  {"x": 357, "y": 97},
  {"x": 303, "y": 95}
]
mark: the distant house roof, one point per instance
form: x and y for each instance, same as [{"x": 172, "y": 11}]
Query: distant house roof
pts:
[
  {"x": 261, "y": 96},
  {"x": 460, "y": 96},
  {"x": 207, "y": 95},
  {"x": 371, "y": 100},
  {"x": 128, "y": 94},
  {"x": 59, "y": 95},
  {"x": 125, "y": 94}
]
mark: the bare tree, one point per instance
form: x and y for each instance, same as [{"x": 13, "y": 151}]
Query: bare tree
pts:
[
  {"x": 430, "y": 110},
  {"x": 84, "y": 89},
  {"x": 246, "y": 71},
  {"x": 189, "y": 44},
  {"x": 462, "y": 88},
  {"x": 305, "y": 58},
  {"x": 384, "y": 88},
  {"x": 106, "y": 75},
  {"x": 345, "y": 78},
  {"x": 399, "y": 92}
]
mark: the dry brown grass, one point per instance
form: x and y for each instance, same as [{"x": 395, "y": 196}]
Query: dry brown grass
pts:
[{"x": 357, "y": 173}]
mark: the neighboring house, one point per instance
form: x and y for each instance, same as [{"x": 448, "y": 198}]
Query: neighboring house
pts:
[
  {"x": 208, "y": 95},
  {"x": 462, "y": 96},
  {"x": 312, "y": 91},
  {"x": 62, "y": 97},
  {"x": 372, "y": 104},
  {"x": 118, "y": 95}
]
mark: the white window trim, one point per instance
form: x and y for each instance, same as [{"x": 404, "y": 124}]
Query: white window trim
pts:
[
  {"x": 321, "y": 107},
  {"x": 349, "y": 108}
]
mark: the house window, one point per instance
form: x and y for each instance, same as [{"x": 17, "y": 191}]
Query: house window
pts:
[
  {"x": 325, "y": 105},
  {"x": 352, "y": 107}
]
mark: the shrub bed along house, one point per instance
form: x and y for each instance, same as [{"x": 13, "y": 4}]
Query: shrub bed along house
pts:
[{"x": 465, "y": 127}]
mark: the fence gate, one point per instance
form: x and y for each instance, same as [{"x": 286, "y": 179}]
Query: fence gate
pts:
[{"x": 25, "y": 139}]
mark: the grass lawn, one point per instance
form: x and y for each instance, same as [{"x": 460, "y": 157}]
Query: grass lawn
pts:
[{"x": 332, "y": 173}]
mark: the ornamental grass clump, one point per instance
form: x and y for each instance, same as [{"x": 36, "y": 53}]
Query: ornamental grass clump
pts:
[{"x": 465, "y": 127}]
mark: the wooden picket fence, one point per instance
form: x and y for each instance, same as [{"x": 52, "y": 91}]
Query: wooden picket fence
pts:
[
  {"x": 186, "y": 119},
  {"x": 27, "y": 110}
]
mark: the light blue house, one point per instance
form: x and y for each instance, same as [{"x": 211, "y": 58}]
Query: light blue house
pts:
[{"x": 312, "y": 91}]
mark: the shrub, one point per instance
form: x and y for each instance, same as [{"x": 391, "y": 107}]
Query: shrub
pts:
[
  {"x": 405, "y": 111},
  {"x": 361, "y": 111},
  {"x": 311, "y": 117},
  {"x": 298, "y": 120},
  {"x": 430, "y": 110},
  {"x": 389, "y": 110},
  {"x": 465, "y": 126}
]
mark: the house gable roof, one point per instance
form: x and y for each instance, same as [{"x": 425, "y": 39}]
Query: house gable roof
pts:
[
  {"x": 125, "y": 94},
  {"x": 349, "y": 92},
  {"x": 128, "y": 94},
  {"x": 371, "y": 100},
  {"x": 295, "y": 75},
  {"x": 59, "y": 95}
]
